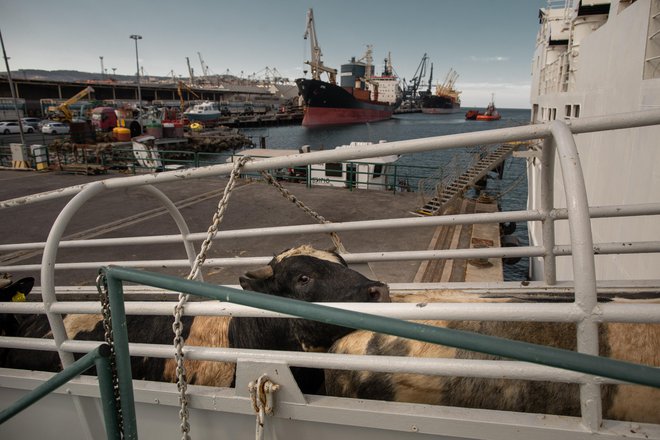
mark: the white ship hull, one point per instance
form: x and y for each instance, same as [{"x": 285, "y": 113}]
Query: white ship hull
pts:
[{"x": 602, "y": 71}]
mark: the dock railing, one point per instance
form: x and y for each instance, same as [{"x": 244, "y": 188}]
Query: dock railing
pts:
[{"x": 584, "y": 311}]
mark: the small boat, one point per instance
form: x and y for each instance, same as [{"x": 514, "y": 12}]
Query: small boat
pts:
[
  {"x": 491, "y": 113},
  {"x": 205, "y": 111}
]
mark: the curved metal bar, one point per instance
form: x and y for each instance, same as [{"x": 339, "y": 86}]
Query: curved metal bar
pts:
[
  {"x": 584, "y": 267},
  {"x": 52, "y": 245},
  {"x": 88, "y": 414},
  {"x": 180, "y": 222},
  {"x": 48, "y": 264}
]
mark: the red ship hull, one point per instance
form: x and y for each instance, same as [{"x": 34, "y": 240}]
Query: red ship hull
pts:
[
  {"x": 317, "y": 116},
  {"x": 329, "y": 104}
]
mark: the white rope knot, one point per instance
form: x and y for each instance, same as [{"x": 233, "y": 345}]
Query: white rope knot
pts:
[{"x": 262, "y": 394}]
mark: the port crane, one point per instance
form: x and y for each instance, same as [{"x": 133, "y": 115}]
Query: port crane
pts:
[
  {"x": 447, "y": 87},
  {"x": 315, "y": 63},
  {"x": 63, "y": 113},
  {"x": 181, "y": 85},
  {"x": 205, "y": 67},
  {"x": 190, "y": 72},
  {"x": 410, "y": 90}
]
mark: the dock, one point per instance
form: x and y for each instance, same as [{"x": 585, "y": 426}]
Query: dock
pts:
[{"x": 253, "y": 204}]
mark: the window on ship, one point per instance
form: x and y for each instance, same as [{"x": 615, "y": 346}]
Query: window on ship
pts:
[
  {"x": 378, "y": 170},
  {"x": 333, "y": 170}
]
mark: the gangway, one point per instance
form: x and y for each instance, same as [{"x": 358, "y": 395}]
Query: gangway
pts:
[{"x": 471, "y": 176}]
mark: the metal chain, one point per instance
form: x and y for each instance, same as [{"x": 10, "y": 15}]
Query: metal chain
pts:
[
  {"x": 102, "y": 287},
  {"x": 287, "y": 194},
  {"x": 177, "y": 326}
]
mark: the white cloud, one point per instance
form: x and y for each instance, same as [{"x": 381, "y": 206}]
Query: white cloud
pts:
[
  {"x": 507, "y": 95},
  {"x": 496, "y": 59}
]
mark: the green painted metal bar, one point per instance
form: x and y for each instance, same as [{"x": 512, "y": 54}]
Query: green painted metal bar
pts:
[
  {"x": 108, "y": 402},
  {"x": 554, "y": 357},
  {"x": 98, "y": 357},
  {"x": 122, "y": 356}
]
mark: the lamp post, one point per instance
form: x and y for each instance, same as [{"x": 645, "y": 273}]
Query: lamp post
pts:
[
  {"x": 137, "y": 63},
  {"x": 13, "y": 91}
]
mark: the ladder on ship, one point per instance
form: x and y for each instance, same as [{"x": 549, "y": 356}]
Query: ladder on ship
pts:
[{"x": 469, "y": 178}]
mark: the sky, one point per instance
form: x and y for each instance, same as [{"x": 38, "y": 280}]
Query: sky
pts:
[{"x": 489, "y": 43}]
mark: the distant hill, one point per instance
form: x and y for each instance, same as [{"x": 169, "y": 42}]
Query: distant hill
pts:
[
  {"x": 75, "y": 75},
  {"x": 68, "y": 75}
]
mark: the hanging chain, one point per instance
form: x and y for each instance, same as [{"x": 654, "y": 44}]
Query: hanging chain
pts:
[
  {"x": 177, "y": 326},
  {"x": 318, "y": 217},
  {"x": 102, "y": 287}
]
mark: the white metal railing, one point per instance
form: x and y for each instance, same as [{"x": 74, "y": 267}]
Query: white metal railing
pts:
[{"x": 584, "y": 311}]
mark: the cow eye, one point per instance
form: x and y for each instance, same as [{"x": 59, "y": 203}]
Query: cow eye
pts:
[{"x": 304, "y": 279}]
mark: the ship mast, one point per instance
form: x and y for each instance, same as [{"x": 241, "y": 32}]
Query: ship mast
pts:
[{"x": 315, "y": 63}]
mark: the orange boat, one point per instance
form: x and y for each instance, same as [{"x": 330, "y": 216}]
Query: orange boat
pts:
[{"x": 491, "y": 113}]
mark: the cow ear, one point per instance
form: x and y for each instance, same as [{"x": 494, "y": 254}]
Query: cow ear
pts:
[{"x": 260, "y": 274}]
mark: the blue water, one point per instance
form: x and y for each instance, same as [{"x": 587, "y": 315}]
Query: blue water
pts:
[{"x": 418, "y": 125}]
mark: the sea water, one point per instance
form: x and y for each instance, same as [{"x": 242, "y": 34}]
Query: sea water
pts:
[{"x": 513, "y": 185}]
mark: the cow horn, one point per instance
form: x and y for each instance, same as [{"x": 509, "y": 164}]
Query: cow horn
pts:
[{"x": 260, "y": 274}]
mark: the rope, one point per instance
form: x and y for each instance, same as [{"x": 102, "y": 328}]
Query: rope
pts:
[
  {"x": 177, "y": 326},
  {"x": 511, "y": 187}
]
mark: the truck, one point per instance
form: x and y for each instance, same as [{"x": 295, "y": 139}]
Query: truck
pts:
[{"x": 104, "y": 118}]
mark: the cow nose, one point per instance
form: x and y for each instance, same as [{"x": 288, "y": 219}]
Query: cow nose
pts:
[{"x": 379, "y": 293}]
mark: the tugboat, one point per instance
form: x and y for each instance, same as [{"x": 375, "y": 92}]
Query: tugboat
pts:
[{"x": 491, "y": 113}]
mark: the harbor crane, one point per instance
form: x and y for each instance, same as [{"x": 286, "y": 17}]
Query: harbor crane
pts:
[
  {"x": 410, "y": 90},
  {"x": 63, "y": 111},
  {"x": 447, "y": 87},
  {"x": 205, "y": 67},
  {"x": 315, "y": 63},
  {"x": 181, "y": 85},
  {"x": 190, "y": 71}
]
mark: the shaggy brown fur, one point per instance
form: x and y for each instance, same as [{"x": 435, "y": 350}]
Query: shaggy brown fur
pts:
[{"x": 638, "y": 343}]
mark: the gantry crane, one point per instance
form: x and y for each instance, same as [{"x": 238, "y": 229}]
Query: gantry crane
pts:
[
  {"x": 410, "y": 91},
  {"x": 315, "y": 63}
]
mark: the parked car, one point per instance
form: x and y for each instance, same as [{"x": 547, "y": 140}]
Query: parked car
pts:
[
  {"x": 43, "y": 122},
  {"x": 55, "y": 128},
  {"x": 13, "y": 127},
  {"x": 32, "y": 122}
]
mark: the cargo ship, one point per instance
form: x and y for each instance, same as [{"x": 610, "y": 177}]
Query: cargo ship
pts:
[
  {"x": 446, "y": 98},
  {"x": 356, "y": 100}
]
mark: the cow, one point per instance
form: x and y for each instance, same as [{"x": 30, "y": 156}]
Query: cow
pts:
[
  {"x": 302, "y": 273},
  {"x": 639, "y": 343},
  {"x": 15, "y": 292}
]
